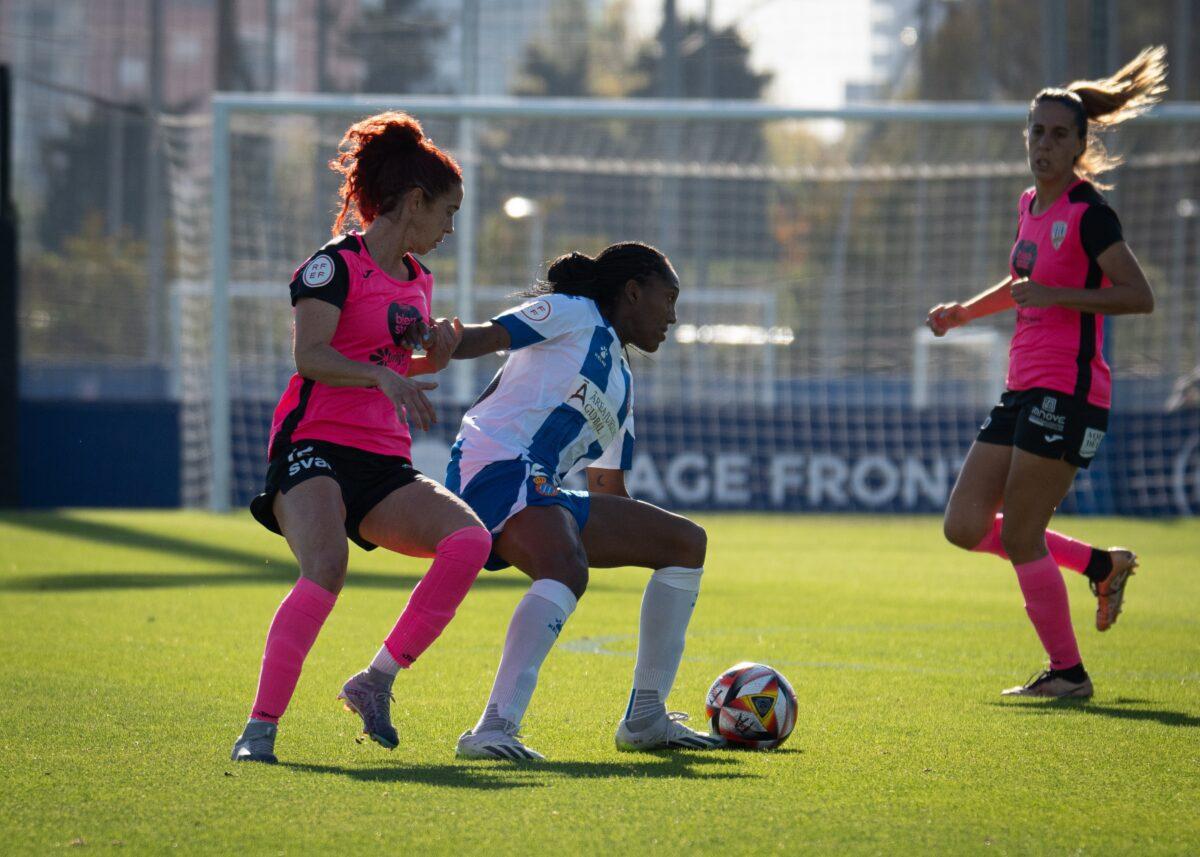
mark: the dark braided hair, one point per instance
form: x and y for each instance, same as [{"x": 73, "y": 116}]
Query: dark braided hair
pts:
[{"x": 602, "y": 278}]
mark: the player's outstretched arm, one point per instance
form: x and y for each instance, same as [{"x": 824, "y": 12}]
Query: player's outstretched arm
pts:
[
  {"x": 480, "y": 339},
  {"x": 441, "y": 338},
  {"x": 604, "y": 481},
  {"x": 998, "y": 298}
]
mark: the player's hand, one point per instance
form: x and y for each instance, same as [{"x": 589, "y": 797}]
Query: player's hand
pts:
[
  {"x": 440, "y": 342},
  {"x": 1027, "y": 293},
  {"x": 408, "y": 397},
  {"x": 943, "y": 317},
  {"x": 414, "y": 335}
]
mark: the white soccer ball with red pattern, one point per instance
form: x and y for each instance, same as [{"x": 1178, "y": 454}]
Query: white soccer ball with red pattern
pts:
[{"x": 752, "y": 705}]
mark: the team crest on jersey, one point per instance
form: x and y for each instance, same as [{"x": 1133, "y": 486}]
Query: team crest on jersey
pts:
[
  {"x": 318, "y": 272},
  {"x": 1058, "y": 232},
  {"x": 537, "y": 311}
]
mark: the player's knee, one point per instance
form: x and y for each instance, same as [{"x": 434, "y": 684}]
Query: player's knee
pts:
[
  {"x": 962, "y": 533},
  {"x": 328, "y": 572},
  {"x": 691, "y": 544},
  {"x": 575, "y": 578},
  {"x": 569, "y": 568},
  {"x": 1020, "y": 539}
]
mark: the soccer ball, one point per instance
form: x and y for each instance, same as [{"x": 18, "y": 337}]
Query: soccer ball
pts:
[{"x": 752, "y": 705}]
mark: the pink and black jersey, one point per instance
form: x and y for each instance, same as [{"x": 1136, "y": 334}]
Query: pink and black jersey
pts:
[
  {"x": 1056, "y": 347},
  {"x": 376, "y": 311}
]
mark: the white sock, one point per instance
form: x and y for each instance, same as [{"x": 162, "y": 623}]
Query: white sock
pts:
[
  {"x": 385, "y": 663},
  {"x": 535, "y": 626},
  {"x": 666, "y": 611}
]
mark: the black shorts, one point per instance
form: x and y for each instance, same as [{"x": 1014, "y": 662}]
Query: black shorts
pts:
[
  {"x": 1047, "y": 423},
  {"x": 364, "y": 477}
]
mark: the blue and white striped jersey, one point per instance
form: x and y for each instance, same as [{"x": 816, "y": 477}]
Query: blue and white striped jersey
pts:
[{"x": 563, "y": 399}]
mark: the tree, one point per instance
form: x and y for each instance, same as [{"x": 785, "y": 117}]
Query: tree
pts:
[
  {"x": 80, "y": 184},
  {"x": 730, "y": 77}
]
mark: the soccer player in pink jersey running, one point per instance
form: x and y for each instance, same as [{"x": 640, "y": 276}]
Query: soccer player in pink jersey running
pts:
[
  {"x": 1069, "y": 267},
  {"x": 339, "y": 454}
]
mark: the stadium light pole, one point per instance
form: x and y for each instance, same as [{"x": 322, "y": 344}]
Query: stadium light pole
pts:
[{"x": 524, "y": 208}]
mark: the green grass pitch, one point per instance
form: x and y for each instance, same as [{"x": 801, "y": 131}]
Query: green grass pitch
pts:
[{"x": 130, "y": 642}]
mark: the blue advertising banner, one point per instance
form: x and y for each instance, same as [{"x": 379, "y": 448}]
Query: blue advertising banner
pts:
[
  {"x": 853, "y": 459},
  {"x": 788, "y": 459}
]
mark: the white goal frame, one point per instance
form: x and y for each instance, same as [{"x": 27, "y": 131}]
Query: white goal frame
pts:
[{"x": 470, "y": 109}]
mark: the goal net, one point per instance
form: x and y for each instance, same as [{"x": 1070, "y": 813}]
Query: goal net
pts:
[{"x": 810, "y": 245}]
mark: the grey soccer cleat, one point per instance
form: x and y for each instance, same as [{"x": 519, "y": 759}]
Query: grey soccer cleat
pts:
[
  {"x": 669, "y": 733},
  {"x": 1051, "y": 684},
  {"x": 495, "y": 744},
  {"x": 1110, "y": 592},
  {"x": 257, "y": 743},
  {"x": 373, "y": 704}
]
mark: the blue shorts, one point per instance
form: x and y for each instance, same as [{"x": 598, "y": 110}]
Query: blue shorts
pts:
[{"x": 503, "y": 488}]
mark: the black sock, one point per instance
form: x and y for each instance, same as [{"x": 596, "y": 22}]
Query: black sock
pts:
[
  {"x": 1099, "y": 567},
  {"x": 1076, "y": 673}
]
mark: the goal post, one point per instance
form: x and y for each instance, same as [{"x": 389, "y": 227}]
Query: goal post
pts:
[{"x": 810, "y": 242}]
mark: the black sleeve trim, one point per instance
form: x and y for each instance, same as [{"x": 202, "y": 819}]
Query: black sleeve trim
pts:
[
  {"x": 325, "y": 276},
  {"x": 1099, "y": 229}
]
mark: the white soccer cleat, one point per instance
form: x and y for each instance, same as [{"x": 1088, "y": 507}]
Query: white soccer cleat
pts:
[
  {"x": 495, "y": 744},
  {"x": 669, "y": 733}
]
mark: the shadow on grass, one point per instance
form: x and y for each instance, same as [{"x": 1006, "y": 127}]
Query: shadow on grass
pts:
[
  {"x": 283, "y": 573},
  {"x": 501, "y": 775},
  {"x": 1082, "y": 706},
  {"x": 254, "y": 567}
]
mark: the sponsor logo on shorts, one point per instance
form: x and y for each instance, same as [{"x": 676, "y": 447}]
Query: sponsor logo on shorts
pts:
[
  {"x": 318, "y": 272},
  {"x": 986, "y": 423},
  {"x": 537, "y": 311},
  {"x": 305, "y": 459},
  {"x": 1057, "y": 233},
  {"x": 1052, "y": 438},
  {"x": 1091, "y": 442},
  {"x": 1045, "y": 416}
]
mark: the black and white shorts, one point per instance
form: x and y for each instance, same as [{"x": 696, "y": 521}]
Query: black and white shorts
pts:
[
  {"x": 364, "y": 477},
  {"x": 1047, "y": 423}
]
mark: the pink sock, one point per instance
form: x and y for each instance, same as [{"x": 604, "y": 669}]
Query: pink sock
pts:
[
  {"x": 293, "y": 632},
  {"x": 1067, "y": 552},
  {"x": 1046, "y": 603},
  {"x": 432, "y": 604}
]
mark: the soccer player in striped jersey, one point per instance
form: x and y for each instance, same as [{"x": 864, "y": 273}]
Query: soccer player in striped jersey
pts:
[
  {"x": 563, "y": 402},
  {"x": 339, "y": 455},
  {"x": 1069, "y": 267}
]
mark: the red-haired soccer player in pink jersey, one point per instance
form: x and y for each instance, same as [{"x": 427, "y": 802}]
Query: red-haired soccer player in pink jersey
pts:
[
  {"x": 1070, "y": 266},
  {"x": 339, "y": 455}
]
